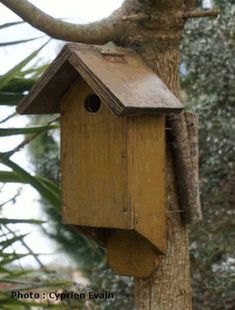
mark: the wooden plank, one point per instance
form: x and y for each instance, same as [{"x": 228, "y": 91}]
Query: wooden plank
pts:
[
  {"x": 146, "y": 177},
  {"x": 93, "y": 159},
  {"x": 129, "y": 254}
]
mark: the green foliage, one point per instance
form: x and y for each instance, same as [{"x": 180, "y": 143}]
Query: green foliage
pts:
[
  {"x": 19, "y": 131},
  {"x": 12, "y": 276},
  {"x": 208, "y": 78},
  {"x": 18, "y": 42},
  {"x": 13, "y": 177},
  {"x": 7, "y": 25},
  {"x": 7, "y": 77}
]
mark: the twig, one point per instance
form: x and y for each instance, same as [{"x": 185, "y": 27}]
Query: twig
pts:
[
  {"x": 198, "y": 14},
  {"x": 11, "y": 199},
  {"x": 23, "y": 143},
  {"x": 28, "y": 140},
  {"x": 54, "y": 120},
  {"x": 7, "y": 118},
  {"x": 185, "y": 15},
  {"x": 138, "y": 17},
  {"x": 28, "y": 248}
]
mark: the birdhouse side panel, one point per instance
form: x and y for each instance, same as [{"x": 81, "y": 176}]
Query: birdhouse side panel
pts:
[
  {"x": 146, "y": 177},
  {"x": 94, "y": 163}
]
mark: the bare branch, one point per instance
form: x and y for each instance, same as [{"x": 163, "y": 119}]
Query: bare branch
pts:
[
  {"x": 12, "y": 199},
  {"x": 100, "y": 32},
  {"x": 137, "y": 17},
  {"x": 205, "y": 13},
  {"x": 190, "y": 14},
  {"x": 7, "y": 118}
]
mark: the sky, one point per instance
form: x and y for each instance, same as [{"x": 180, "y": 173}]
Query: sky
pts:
[{"x": 77, "y": 11}]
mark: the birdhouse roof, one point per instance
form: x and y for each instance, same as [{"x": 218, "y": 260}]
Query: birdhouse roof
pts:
[{"x": 118, "y": 76}]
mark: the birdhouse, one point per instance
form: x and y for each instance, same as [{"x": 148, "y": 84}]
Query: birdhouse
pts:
[{"x": 112, "y": 108}]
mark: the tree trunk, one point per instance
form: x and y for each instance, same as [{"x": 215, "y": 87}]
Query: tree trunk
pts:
[{"x": 169, "y": 286}]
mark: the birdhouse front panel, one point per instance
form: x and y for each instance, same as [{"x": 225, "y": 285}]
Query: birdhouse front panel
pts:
[{"x": 94, "y": 163}]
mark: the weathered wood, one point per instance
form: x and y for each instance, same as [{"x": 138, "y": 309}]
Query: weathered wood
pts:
[
  {"x": 131, "y": 255},
  {"x": 94, "y": 174},
  {"x": 195, "y": 213},
  {"x": 146, "y": 177},
  {"x": 118, "y": 75},
  {"x": 112, "y": 168},
  {"x": 127, "y": 251},
  {"x": 113, "y": 178}
]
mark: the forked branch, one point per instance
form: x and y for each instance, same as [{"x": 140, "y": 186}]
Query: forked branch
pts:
[{"x": 100, "y": 32}]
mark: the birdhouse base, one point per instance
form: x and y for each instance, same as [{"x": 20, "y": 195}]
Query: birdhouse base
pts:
[{"x": 129, "y": 254}]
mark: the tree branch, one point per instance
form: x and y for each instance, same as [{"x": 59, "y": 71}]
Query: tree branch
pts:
[
  {"x": 201, "y": 13},
  {"x": 189, "y": 14},
  {"x": 100, "y": 32}
]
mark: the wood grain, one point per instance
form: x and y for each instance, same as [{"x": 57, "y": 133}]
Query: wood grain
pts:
[
  {"x": 130, "y": 254},
  {"x": 94, "y": 173},
  {"x": 146, "y": 177}
]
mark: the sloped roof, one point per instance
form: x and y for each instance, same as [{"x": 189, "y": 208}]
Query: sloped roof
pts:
[{"x": 118, "y": 75}]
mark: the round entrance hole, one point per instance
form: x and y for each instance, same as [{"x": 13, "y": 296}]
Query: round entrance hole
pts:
[{"x": 92, "y": 103}]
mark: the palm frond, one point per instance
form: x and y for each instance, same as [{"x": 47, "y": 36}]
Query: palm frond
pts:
[
  {"x": 7, "y": 25},
  {"x": 22, "y": 131},
  {"x": 4, "y": 80}
]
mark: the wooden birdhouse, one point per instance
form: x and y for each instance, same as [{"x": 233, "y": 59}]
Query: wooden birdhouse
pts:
[{"x": 112, "y": 108}]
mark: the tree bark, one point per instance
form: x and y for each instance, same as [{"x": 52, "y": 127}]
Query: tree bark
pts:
[{"x": 191, "y": 120}]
